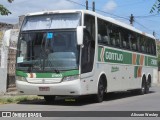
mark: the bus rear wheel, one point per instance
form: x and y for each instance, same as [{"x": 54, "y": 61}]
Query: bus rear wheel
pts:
[
  {"x": 49, "y": 98},
  {"x": 101, "y": 88},
  {"x": 147, "y": 85},
  {"x": 144, "y": 87},
  {"x": 142, "y": 90}
]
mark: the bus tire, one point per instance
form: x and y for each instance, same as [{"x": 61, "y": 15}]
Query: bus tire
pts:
[
  {"x": 101, "y": 88},
  {"x": 142, "y": 90},
  {"x": 147, "y": 88},
  {"x": 49, "y": 98},
  {"x": 148, "y": 84}
]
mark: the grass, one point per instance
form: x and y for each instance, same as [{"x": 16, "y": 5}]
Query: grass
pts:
[{"x": 17, "y": 99}]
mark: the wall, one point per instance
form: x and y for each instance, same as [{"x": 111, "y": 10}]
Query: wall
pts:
[
  {"x": 158, "y": 77},
  {"x": 1, "y": 36},
  {"x": 3, "y": 57},
  {"x": 3, "y": 80}
]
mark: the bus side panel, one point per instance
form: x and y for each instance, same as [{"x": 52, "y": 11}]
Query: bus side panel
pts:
[
  {"x": 155, "y": 76},
  {"x": 153, "y": 71}
]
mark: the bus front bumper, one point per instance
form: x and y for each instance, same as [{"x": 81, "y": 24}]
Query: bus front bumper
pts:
[{"x": 63, "y": 88}]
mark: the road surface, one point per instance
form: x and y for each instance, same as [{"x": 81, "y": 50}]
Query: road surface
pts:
[{"x": 123, "y": 101}]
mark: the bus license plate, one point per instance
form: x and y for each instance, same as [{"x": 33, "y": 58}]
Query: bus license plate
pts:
[{"x": 44, "y": 89}]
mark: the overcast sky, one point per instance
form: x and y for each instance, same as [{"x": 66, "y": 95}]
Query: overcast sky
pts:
[{"x": 122, "y": 8}]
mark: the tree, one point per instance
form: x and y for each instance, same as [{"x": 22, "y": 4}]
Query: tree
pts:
[
  {"x": 156, "y": 7},
  {"x": 3, "y": 10}
]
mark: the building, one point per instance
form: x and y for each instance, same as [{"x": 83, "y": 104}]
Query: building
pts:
[
  {"x": 5, "y": 26},
  {"x": 8, "y": 61},
  {"x": 4, "y": 57},
  {"x": 12, "y": 58}
]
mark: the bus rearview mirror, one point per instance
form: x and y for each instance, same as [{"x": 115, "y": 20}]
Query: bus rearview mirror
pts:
[{"x": 80, "y": 35}]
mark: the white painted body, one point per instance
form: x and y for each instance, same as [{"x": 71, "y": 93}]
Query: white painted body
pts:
[{"x": 88, "y": 83}]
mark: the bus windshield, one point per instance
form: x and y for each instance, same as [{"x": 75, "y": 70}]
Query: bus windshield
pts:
[
  {"x": 47, "y": 51},
  {"x": 52, "y": 21}
]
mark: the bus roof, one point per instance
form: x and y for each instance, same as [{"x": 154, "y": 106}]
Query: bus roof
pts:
[{"x": 109, "y": 19}]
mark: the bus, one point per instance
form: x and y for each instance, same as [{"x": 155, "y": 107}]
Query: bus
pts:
[{"x": 80, "y": 52}]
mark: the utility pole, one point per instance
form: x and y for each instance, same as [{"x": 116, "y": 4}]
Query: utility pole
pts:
[
  {"x": 154, "y": 34},
  {"x": 93, "y": 6},
  {"x": 131, "y": 19},
  {"x": 86, "y": 4}
]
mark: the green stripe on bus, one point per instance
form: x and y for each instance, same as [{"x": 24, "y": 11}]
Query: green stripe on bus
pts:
[
  {"x": 99, "y": 53},
  {"x": 135, "y": 71},
  {"x": 49, "y": 75},
  {"x": 152, "y": 61},
  {"x": 70, "y": 73},
  {"x": 127, "y": 58},
  {"x": 113, "y": 56},
  {"x": 138, "y": 60},
  {"x": 119, "y": 56},
  {"x": 20, "y": 73},
  {"x": 146, "y": 61}
]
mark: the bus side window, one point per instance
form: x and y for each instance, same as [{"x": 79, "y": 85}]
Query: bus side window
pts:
[
  {"x": 133, "y": 42},
  {"x": 125, "y": 39},
  {"x": 152, "y": 48},
  {"x": 87, "y": 52},
  {"x": 114, "y": 35},
  {"x": 103, "y": 37},
  {"x": 138, "y": 42},
  {"x": 117, "y": 38},
  {"x": 112, "y": 38},
  {"x": 148, "y": 46},
  {"x": 143, "y": 48},
  {"x": 88, "y": 49},
  {"x": 89, "y": 22}
]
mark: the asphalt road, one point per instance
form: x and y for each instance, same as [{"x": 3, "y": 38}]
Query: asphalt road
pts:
[{"x": 123, "y": 101}]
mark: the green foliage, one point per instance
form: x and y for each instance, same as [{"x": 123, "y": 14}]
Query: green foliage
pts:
[
  {"x": 156, "y": 7},
  {"x": 17, "y": 99},
  {"x": 3, "y": 10}
]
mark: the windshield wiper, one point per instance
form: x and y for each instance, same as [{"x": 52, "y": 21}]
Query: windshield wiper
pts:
[
  {"x": 31, "y": 64},
  {"x": 27, "y": 64},
  {"x": 51, "y": 65},
  {"x": 44, "y": 57}
]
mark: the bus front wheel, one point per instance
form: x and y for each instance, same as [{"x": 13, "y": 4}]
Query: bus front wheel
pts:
[{"x": 100, "y": 94}]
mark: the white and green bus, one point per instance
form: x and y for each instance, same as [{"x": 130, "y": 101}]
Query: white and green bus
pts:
[{"x": 79, "y": 52}]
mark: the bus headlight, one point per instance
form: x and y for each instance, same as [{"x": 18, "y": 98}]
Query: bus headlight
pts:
[
  {"x": 21, "y": 78},
  {"x": 70, "y": 78}
]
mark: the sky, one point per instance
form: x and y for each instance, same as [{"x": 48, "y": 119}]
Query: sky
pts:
[{"x": 118, "y": 9}]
